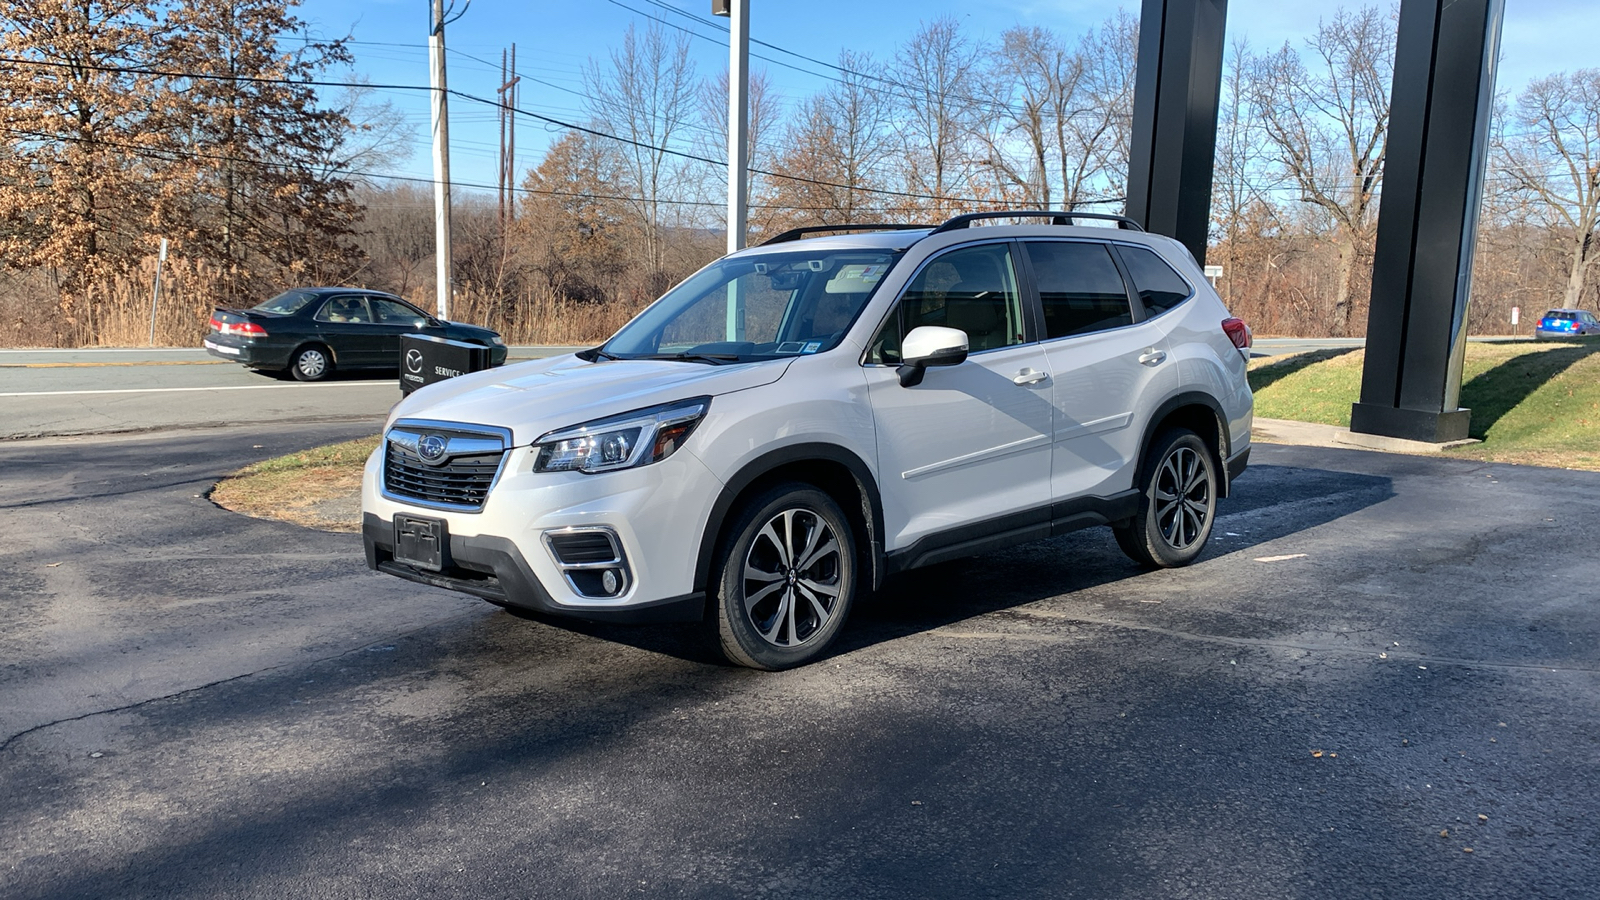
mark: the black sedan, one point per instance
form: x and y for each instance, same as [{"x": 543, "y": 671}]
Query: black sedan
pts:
[{"x": 311, "y": 331}]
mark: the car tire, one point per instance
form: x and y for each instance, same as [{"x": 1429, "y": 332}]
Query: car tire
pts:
[
  {"x": 1177, "y": 502},
  {"x": 311, "y": 363},
  {"x": 787, "y": 578}
]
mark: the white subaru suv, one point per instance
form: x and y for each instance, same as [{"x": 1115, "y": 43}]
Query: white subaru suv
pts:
[{"x": 796, "y": 422}]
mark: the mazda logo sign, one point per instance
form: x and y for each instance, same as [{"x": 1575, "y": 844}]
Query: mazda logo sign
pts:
[
  {"x": 431, "y": 448},
  {"x": 414, "y": 361}
]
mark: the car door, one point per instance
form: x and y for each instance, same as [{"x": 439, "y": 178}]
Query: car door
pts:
[
  {"x": 345, "y": 323},
  {"x": 391, "y": 320},
  {"x": 969, "y": 447},
  {"x": 1102, "y": 355}
]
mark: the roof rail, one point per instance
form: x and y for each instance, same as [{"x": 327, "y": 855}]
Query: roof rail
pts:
[
  {"x": 1058, "y": 217},
  {"x": 795, "y": 234}
]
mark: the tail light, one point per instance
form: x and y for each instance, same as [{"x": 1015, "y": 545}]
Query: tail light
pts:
[
  {"x": 1238, "y": 332},
  {"x": 242, "y": 329}
]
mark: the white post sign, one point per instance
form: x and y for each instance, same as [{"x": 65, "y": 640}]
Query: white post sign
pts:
[{"x": 155, "y": 290}]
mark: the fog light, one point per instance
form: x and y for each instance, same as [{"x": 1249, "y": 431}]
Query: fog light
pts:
[{"x": 609, "y": 581}]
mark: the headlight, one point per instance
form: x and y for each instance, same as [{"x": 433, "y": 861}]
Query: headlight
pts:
[{"x": 638, "y": 438}]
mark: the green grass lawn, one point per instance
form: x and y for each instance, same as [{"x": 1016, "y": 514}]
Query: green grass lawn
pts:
[{"x": 1534, "y": 403}]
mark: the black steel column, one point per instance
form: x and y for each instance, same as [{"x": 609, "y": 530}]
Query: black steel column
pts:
[
  {"x": 1428, "y": 221},
  {"x": 1176, "y": 87}
]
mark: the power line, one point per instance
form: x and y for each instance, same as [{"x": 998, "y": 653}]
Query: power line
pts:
[
  {"x": 163, "y": 155},
  {"x": 253, "y": 79}
]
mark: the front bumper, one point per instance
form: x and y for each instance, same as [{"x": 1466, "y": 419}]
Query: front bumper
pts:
[
  {"x": 493, "y": 568},
  {"x": 656, "y": 513}
]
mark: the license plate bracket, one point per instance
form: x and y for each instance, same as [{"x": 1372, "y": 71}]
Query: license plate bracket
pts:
[{"x": 421, "y": 542}]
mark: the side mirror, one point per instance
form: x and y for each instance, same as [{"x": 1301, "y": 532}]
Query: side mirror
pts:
[{"x": 930, "y": 345}]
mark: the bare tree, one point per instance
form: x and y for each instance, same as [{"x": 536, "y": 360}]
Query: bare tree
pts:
[
  {"x": 1328, "y": 126},
  {"x": 647, "y": 95},
  {"x": 377, "y": 141},
  {"x": 1098, "y": 133},
  {"x": 765, "y": 109},
  {"x": 937, "y": 73},
  {"x": 836, "y": 150},
  {"x": 1556, "y": 158},
  {"x": 1031, "y": 79}
]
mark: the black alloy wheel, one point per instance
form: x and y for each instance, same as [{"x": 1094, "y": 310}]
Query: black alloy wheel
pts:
[{"x": 1177, "y": 502}]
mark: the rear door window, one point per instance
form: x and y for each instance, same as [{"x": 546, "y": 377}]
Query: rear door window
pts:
[
  {"x": 349, "y": 310},
  {"x": 1079, "y": 286},
  {"x": 1160, "y": 288}
]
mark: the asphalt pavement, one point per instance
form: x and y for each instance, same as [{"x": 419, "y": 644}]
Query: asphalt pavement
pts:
[
  {"x": 46, "y": 393},
  {"x": 52, "y": 393},
  {"x": 1383, "y": 680}
]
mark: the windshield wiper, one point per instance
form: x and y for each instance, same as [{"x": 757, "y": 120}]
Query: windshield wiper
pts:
[{"x": 715, "y": 359}]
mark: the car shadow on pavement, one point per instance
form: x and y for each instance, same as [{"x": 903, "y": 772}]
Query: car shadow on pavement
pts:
[
  {"x": 1268, "y": 502},
  {"x": 337, "y": 375}
]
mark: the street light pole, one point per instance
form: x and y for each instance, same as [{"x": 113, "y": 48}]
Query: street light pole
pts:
[
  {"x": 738, "y": 13},
  {"x": 441, "y": 154}
]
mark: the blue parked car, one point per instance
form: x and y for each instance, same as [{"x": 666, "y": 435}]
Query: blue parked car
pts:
[{"x": 1567, "y": 323}]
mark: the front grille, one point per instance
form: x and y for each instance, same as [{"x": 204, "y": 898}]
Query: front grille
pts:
[{"x": 462, "y": 482}]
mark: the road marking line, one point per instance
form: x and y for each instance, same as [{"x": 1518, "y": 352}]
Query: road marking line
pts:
[
  {"x": 234, "y": 387},
  {"x": 87, "y": 365}
]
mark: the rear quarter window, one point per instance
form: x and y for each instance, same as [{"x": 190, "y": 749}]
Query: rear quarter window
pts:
[
  {"x": 1158, "y": 285},
  {"x": 286, "y": 304}
]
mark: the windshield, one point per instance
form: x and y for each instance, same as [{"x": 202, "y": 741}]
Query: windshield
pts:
[
  {"x": 758, "y": 307},
  {"x": 285, "y": 304}
]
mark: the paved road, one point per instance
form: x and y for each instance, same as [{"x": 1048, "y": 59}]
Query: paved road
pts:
[
  {"x": 197, "y": 704},
  {"x": 101, "y": 391}
]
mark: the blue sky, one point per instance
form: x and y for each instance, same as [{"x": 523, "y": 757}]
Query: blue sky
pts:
[{"x": 555, "y": 38}]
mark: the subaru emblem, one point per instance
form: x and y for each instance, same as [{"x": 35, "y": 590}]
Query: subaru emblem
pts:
[{"x": 431, "y": 448}]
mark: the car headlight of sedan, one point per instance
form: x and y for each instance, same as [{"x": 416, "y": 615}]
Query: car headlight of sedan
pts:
[{"x": 637, "y": 438}]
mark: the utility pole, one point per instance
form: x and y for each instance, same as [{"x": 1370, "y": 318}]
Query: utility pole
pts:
[
  {"x": 508, "y": 137},
  {"x": 437, "y": 14},
  {"x": 738, "y": 13}
]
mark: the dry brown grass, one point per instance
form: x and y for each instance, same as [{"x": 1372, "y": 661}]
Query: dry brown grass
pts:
[
  {"x": 318, "y": 488},
  {"x": 116, "y": 313}
]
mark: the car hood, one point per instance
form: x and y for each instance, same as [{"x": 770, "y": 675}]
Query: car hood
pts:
[
  {"x": 475, "y": 331},
  {"x": 537, "y": 397}
]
